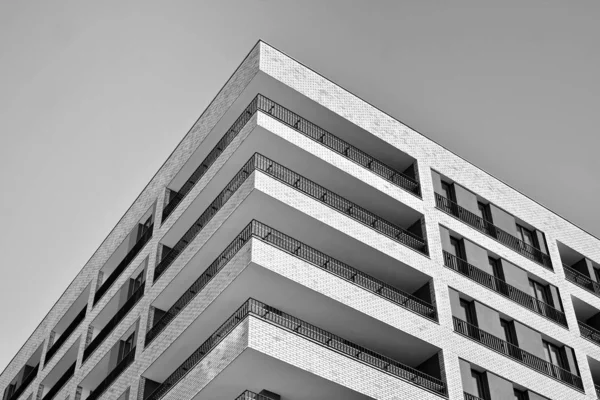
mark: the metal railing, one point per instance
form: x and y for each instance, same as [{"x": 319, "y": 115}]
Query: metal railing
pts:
[
  {"x": 137, "y": 247},
  {"x": 475, "y": 221},
  {"x": 510, "y": 350},
  {"x": 303, "y": 329},
  {"x": 283, "y": 174},
  {"x": 469, "y": 396},
  {"x": 114, "y": 321},
  {"x": 298, "y": 249},
  {"x": 581, "y": 280},
  {"x": 499, "y": 286},
  {"x": 113, "y": 375},
  {"x": 26, "y": 382},
  {"x": 248, "y": 395},
  {"x": 305, "y": 127},
  {"x": 60, "y": 383},
  {"x": 65, "y": 335},
  {"x": 589, "y": 333}
]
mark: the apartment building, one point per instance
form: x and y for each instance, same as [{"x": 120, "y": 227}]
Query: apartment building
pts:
[{"x": 301, "y": 244}]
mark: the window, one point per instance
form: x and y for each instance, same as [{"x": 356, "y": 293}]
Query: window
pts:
[
  {"x": 526, "y": 235},
  {"x": 479, "y": 384},
  {"x": 484, "y": 211},
  {"x": 520, "y": 395},
  {"x": 469, "y": 311},
  {"x": 448, "y": 191},
  {"x": 554, "y": 356},
  {"x": 143, "y": 228},
  {"x": 125, "y": 347},
  {"x": 496, "y": 268},
  {"x": 9, "y": 391},
  {"x": 134, "y": 284},
  {"x": 540, "y": 292},
  {"x": 457, "y": 248},
  {"x": 512, "y": 348}
]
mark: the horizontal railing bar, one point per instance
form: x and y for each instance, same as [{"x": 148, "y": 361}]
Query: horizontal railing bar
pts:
[
  {"x": 581, "y": 280},
  {"x": 65, "y": 335},
  {"x": 488, "y": 228},
  {"x": 114, "y": 321},
  {"x": 303, "y": 126},
  {"x": 113, "y": 375},
  {"x": 300, "y": 250},
  {"x": 303, "y": 329},
  {"x": 137, "y": 247},
  {"x": 302, "y": 184},
  {"x": 501, "y": 287},
  {"x": 516, "y": 353}
]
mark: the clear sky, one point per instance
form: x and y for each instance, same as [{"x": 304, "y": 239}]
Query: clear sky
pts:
[{"x": 95, "y": 95}]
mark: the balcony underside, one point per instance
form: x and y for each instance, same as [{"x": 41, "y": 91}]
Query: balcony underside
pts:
[
  {"x": 264, "y": 285},
  {"x": 257, "y": 138},
  {"x": 264, "y": 207},
  {"x": 304, "y": 107},
  {"x": 256, "y": 371}
]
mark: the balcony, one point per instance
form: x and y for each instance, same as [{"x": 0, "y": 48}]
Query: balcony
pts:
[
  {"x": 513, "y": 352},
  {"x": 471, "y": 397},
  {"x": 589, "y": 333},
  {"x": 305, "y": 186},
  {"x": 491, "y": 282},
  {"x": 298, "y": 327},
  {"x": 113, "y": 375},
  {"x": 137, "y": 247},
  {"x": 65, "y": 335},
  {"x": 25, "y": 383},
  {"x": 581, "y": 280},
  {"x": 279, "y": 240},
  {"x": 248, "y": 395},
  {"x": 301, "y": 125},
  {"x": 61, "y": 383},
  {"x": 114, "y": 321},
  {"x": 486, "y": 227}
]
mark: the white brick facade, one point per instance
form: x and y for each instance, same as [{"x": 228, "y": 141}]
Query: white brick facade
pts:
[{"x": 255, "y": 336}]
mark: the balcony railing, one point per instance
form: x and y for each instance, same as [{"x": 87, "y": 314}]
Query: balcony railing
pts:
[
  {"x": 475, "y": 221},
  {"x": 248, "y": 395},
  {"x": 65, "y": 335},
  {"x": 60, "y": 383},
  {"x": 510, "y": 350},
  {"x": 589, "y": 333},
  {"x": 581, "y": 280},
  {"x": 114, "y": 321},
  {"x": 26, "y": 382},
  {"x": 499, "y": 286},
  {"x": 137, "y": 247},
  {"x": 113, "y": 375},
  {"x": 279, "y": 172},
  {"x": 311, "y": 332},
  {"x": 469, "y": 396},
  {"x": 298, "y": 249},
  {"x": 261, "y": 103}
]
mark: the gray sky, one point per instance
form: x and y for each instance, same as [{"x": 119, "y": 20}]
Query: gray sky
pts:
[{"x": 95, "y": 97}]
